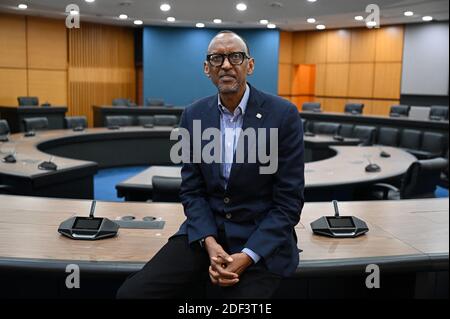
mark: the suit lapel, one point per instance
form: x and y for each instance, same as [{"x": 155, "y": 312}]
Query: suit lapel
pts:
[
  {"x": 211, "y": 119},
  {"x": 253, "y": 118}
]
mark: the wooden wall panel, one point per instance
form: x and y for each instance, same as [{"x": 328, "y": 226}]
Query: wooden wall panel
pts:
[
  {"x": 361, "y": 80},
  {"x": 101, "y": 67},
  {"x": 387, "y": 80},
  {"x": 12, "y": 41},
  {"x": 338, "y": 46},
  {"x": 389, "y": 44},
  {"x": 316, "y": 47},
  {"x": 337, "y": 79},
  {"x": 304, "y": 75},
  {"x": 13, "y": 83},
  {"x": 383, "y": 107},
  {"x": 333, "y": 105},
  {"x": 363, "y": 45},
  {"x": 299, "y": 47},
  {"x": 285, "y": 49},
  {"x": 47, "y": 44},
  {"x": 284, "y": 79},
  {"x": 49, "y": 86},
  {"x": 321, "y": 78}
]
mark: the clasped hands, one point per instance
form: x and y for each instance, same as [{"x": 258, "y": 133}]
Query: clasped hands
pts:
[{"x": 225, "y": 269}]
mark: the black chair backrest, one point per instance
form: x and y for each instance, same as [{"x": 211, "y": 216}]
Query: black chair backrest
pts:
[
  {"x": 75, "y": 122},
  {"x": 122, "y": 102},
  {"x": 421, "y": 178},
  {"x": 439, "y": 112},
  {"x": 35, "y": 123},
  {"x": 154, "y": 102},
  {"x": 346, "y": 130},
  {"x": 311, "y": 106},
  {"x": 354, "y": 108},
  {"x": 399, "y": 110},
  {"x": 118, "y": 120},
  {"x": 28, "y": 101},
  {"x": 166, "y": 120},
  {"x": 166, "y": 189},
  {"x": 326, "y": 128},
  {"x": 365, "y": 133},
  {"x": 433, "y": 143},
  {"x": 410, "y": 139},
  {"x": 145, "y": 120},
  {"x": 4, "y": 127},
  {"x": 388, "y": 136}
]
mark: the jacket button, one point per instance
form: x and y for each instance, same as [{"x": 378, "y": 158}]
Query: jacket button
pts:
[
  {"x": 228, "y": 216},
  {"x": 226, "y": 200}
]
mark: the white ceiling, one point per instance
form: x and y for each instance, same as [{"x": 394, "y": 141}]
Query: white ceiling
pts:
[{"x": 291, "y": 15}]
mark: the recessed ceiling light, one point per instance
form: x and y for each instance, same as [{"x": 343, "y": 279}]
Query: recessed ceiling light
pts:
[
  {"x": 408, "y": 13},
  {"x": 311, "y": 20},
  {"x": 123, "y": 16},
  {"x": 217, "y": 21},
  {"x": 165, "y": 7},
  {"x": 359, "y": 18},
  {"x": 22, "y": 6},
  {"x": 427, "y": 18},
  {"x": 171, "y": 19},
  {"x": 74, "y": 12},
  {"x": 264, "y": 21},
  {"x": 320, "y": 27},
  {"x": 241, "y": 6},
  {"x": 312, "y": 0},
  {"x": 200, "y": 25},
  {"x": 89, "y": 1},
  {"x": 138, "y": 22},
  {"x": 271, "y": 26},
  {"x": 371, "y": 24}
]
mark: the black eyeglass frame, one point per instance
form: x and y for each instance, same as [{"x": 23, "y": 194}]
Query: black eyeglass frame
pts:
[{"x": 244, "y": 56}]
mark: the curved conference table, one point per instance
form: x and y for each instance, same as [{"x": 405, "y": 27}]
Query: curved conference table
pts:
[
  {"x": 408, "y": 237},
  {"x": 79, "y": 155}
]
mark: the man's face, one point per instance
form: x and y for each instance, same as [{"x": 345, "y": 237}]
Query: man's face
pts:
[{"x": 228, "y": 78}]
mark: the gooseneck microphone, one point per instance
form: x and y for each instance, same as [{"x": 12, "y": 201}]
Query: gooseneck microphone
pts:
[
  {"x": 336, "y": 209},
  {"x": 91, "y": 213}
]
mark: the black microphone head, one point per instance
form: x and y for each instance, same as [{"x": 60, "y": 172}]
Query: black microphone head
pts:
[
  {"x": 9, "y": 159},
  {"x": 30, "y": 134},
  {"x": 48, "y": 166},
  {"x": 385, "y": 154},
  {"x": 372, "y": 167}
]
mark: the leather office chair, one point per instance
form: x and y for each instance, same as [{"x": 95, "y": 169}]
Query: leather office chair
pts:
[
  {"x": 433, "y": 145},
  {"x": 365, "y": 133},
  {"x": 154, "y": 102},
  {"x": 388, "y": 136},
  {"x": 166, "y": 189},
  {"x": 35, "y": 124},
  {"x": 346, "y": 130},
  {"x": 146, "y": 120},
  {"x": 354, "y": 108},
  {"x": 399, "y": 110},
  {"x": 419, "y": 181},
  {"x": 410, "y": 140},
  {"x": 122, "y": 102},
  {"x": 118, "y": 120},
  {"x": 72, "y": 122},
  {"x": 439, "y": 112},
  {"x": 166, "y": 120},
  {"x": 311, "y": 106},
  {"x": 444, "y": 174},
  {"x": 326, "y": 128},
  {"x": 28, "y": 101},
  {"x": 4, "y": 128}
]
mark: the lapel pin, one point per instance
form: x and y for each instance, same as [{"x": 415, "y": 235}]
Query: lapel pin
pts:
[{"x": 259, "y": 115}]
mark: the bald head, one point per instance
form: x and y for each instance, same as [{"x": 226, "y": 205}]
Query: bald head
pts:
[{"x": 228, "y": 37}]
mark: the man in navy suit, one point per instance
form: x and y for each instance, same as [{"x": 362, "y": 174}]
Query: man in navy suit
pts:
[{"x": 239, "y": 232}]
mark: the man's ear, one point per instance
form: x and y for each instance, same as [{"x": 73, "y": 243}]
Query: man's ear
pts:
[
  {"x": 206, "y": 69},
  {"x": 251, "y": 66}
]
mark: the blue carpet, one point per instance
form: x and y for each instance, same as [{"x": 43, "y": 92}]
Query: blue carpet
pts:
[
  {"x": 441, "y": 192},
  {"x": 106, "y": 180}
]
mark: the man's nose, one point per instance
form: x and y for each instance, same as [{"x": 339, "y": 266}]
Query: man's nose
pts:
[{"x": 226, "y": 64}]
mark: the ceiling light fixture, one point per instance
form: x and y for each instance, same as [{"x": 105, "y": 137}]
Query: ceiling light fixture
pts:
[
  {"x": 138, "y": 22},
  {"x": 200, "y": 25},
  {"x": 89, "y": 1},
  {"x": 264, "y": 21},
  {"x": 165, "y": 7},
  {"x": 217, "y": 21},
  {"x": 22, "y": 6},
  {"x": 241, "y": 6},
  {"x": 312, "y": 0},
  {"x": 320, "y": 27},
  {"x": 170, "y": 19},
  {"x": 408, "y": 13},
  {"x": 74, "y": 12},
  {"x": 123, "y": 16},
  {"x": 271, "y": 26},
  {"x": 311, "y": 20},
  {"x": 427, "y": 18},
  {"x": 371, "y": 24}
]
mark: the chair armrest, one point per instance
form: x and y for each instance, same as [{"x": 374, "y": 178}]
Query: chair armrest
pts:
[
  {"x": 385, "y": 188},
  {"x": 5, "y": 189}
]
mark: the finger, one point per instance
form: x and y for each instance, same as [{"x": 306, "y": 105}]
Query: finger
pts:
[
  {"x": 220, "y": 260},
  {"x": 227, "y": 282},
  {"x": 225, "y": 257},
  {"x": 224, "y": 273},
  {"x": 213, "y": 273}
]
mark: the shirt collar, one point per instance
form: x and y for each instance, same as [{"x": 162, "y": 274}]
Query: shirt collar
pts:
[{"x": 242, "y": 104}]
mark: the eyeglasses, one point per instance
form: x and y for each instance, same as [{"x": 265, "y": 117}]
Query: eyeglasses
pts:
[{"x": 235, "y": 58}]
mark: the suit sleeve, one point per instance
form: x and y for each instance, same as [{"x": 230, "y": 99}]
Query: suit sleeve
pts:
[
  {"x": 276, "y": 229},
  {"x": 200, "y": 219}
]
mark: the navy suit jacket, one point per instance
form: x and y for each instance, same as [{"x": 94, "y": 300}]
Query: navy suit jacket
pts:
[{"x": 255, "y": 211}]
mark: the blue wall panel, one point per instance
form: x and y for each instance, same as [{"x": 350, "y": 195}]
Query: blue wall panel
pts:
[{"x": 173, "y": 62}]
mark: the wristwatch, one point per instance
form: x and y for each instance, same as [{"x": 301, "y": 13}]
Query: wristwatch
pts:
[{"x": 201, "y": 242}]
